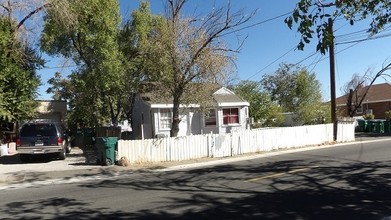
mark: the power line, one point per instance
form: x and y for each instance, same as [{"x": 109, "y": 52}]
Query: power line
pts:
[
  {"x": 358, "y": 35},
  {"x": 366, "y": 39},
  {"x": 259, "y": 23},
  {"x": 274, "y": 61},
  {"x": 306, "y": 58}
]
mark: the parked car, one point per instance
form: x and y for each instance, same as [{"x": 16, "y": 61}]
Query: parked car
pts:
[{"x": 42, "y": 137}]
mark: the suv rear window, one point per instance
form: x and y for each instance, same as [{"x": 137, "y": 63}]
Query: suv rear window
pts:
[{"x": 32, "y": 130}]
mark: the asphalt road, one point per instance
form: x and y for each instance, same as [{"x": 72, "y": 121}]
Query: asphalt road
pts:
[{"x": 344, "y": 182}]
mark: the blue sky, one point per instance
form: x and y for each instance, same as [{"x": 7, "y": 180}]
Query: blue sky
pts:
[{"x": 271, "y": 43}]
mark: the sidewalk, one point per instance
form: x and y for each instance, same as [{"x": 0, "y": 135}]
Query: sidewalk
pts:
[{"x": 79, "y": 165}]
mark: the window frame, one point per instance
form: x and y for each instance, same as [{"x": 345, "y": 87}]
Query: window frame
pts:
[
  {"x": 230, "y": 116},
  {"x": 208, "y": 120},
  {"x": 360, "y": 110},
  {"x": 165, "y": 125}
]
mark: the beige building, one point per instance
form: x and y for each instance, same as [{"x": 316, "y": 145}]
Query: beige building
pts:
[{"x": 54, "y": 110}]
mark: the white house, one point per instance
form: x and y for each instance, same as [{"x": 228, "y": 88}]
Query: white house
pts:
[{"x": 153, "y": 118}]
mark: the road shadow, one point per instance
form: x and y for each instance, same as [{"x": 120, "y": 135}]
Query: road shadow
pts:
[{"x": 356, "y": 190}]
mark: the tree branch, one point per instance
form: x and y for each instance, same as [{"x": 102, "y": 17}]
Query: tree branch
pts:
[
  {"x": 32, "y": 13},
  {"x": 319, "y": 3}
]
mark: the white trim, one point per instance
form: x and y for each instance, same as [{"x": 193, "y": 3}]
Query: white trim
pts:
[
  {"x": 223, "y": 90},
  {"x": 232, "y": 104},
  {"x": 231, "y": 125},
  {"x": 221, "y": 104},
  {"x": 172, "y": 106}
]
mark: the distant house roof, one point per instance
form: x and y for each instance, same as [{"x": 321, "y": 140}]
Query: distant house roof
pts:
[{"x": 376, "y": 93}]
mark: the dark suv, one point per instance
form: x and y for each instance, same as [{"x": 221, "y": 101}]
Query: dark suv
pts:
[{"x": 42, "y": 137}]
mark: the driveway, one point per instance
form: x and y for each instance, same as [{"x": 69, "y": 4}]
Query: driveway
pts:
[{"x": 79, "y": 161}]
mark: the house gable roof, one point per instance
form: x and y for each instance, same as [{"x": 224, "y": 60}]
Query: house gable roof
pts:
[
  {"x": 225, "y": 97},
  {"x": 222, "y": 96},
  {"x": 376, "y": 93}
]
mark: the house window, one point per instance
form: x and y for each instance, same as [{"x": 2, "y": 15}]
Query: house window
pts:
[
  {"x": 359, "y": 110},
  {"x": 210, "y": 117},
  {"x": 165, "y": 119},
  {"x": 230, "y": 116}
]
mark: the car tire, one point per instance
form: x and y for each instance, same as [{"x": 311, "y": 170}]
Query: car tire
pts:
[
  {"x": 62, "y": 155},
  {"x": 68, "y": 148},
  {"x": 24, "y": 158}
]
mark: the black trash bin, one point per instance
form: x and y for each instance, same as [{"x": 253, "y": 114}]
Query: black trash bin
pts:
[{"x": 106, "y": 150}]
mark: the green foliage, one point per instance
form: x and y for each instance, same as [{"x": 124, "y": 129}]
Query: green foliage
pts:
[
  {"x": 312, "y": 18},
  {"x": 262, "y": 108},
  {"x": 136, "y": 42},
  {"x": 308, "y": 96},
  {"x": 87, "y": 32},
  {"x": 388, "y": 115},
  {"x": 369, "y": 116},
  {"x": 18, "y": 78},
  {"x": 296, "y": 90},
  {"x": 281, "y": 85}
]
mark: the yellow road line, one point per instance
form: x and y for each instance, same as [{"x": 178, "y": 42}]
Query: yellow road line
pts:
[{"x": 281, "y": 174}]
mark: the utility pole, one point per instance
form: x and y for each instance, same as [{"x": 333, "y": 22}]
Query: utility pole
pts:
[{"x": 332, "y": 81}]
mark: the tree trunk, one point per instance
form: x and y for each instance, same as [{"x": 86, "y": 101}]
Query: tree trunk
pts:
[
  {"x": 175, "y": 115},
  {"x": 349, "y": 104},
  {"x": 129, "y": 109}
]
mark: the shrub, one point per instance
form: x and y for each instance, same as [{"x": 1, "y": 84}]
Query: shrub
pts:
[
  {"x": 369, "y": 116},
  {"x": 388, "y": 115}
]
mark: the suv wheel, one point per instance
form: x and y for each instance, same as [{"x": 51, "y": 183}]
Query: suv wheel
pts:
[
  {"x": 68, "y": 148},
  {"x": 63, "y": 154}
]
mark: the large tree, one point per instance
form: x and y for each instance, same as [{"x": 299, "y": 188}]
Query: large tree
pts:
[
  {"x": 308, "y": 99},
  {"x": 136, "y": 44},
  {"x": 192, "y": 50},
  {"x": 87, "y": 33},
  {"x": 281, "y": 85},
  {"x": 296, "y": 90},
  {"x": 19, "y": 61}
]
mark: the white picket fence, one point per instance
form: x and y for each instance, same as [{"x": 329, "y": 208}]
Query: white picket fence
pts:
[{"x": 226, "y": 145}]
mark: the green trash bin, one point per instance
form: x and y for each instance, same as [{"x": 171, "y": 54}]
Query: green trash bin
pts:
[
  {"x": 106, "y": 150},
  {"x": 381, "y": 129},
  {"x": 387, "y": 127},
  {"x": 378, "y": 127},
  {"x": 362, "y": 125},
  {"x": 88, "y": 136},
  {"x": 78, "y": 138},
  {"x": 369, "y": 127}
]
